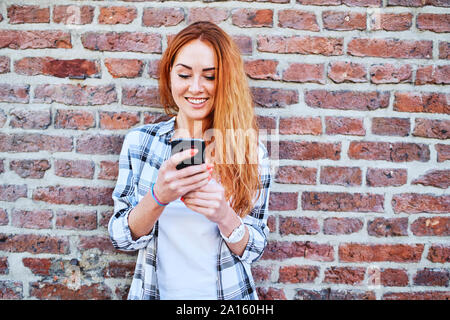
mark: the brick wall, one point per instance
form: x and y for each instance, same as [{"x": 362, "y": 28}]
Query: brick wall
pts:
[{"x": 356, "y": 92}]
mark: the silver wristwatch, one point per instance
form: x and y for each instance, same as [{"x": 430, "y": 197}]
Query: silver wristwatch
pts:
[{"x": 237, "y": 234}]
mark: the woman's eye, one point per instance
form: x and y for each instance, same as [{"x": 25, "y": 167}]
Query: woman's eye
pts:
[
  {"x": 184, "y": 76},
  {"x": 210, "y": 78}
]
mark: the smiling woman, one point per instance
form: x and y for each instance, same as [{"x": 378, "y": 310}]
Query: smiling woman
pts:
[{"x": 198, "y": 228}]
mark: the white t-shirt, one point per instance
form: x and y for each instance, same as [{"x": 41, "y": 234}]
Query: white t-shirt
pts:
[{"x": 188, "y": 246}]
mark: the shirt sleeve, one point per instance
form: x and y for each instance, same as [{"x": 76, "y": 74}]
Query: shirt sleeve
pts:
[
  {"x": 256, "y": 220},
  {"x": 124, "y": 197}
]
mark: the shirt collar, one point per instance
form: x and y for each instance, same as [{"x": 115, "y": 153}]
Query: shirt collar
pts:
[{"x": 166, "y": 127}]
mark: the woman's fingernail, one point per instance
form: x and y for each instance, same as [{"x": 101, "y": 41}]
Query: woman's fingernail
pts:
[
  {"x": 193, "y": 152},
  {"x": 182, "y": 199}
]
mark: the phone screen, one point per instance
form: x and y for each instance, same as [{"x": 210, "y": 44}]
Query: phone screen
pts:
[{"x": 179, "y": 145}]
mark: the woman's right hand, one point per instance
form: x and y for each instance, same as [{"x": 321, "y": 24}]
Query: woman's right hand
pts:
[{"x": 172, "y": 184}]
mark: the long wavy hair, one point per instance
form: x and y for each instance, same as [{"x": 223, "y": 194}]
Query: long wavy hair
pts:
[{"x": 235, "y": 147}]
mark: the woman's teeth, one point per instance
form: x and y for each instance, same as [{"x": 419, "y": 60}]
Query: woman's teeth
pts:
[{"x": 196, "y": 101}]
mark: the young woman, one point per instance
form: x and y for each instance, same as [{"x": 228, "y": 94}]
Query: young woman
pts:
[{"x": 199, "y": 228}]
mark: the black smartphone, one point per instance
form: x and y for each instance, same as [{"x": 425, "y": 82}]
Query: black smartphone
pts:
[{"x": 179, "y": 145}]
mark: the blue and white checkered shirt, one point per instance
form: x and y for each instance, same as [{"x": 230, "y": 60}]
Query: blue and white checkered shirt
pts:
[{"x": 144, "y": 150}]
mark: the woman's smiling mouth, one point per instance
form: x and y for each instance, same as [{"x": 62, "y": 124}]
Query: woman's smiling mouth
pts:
[{"x": 196, "y": 101}]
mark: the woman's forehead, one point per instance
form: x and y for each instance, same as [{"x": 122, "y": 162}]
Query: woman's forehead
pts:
[{"x": 196, "y": 53}]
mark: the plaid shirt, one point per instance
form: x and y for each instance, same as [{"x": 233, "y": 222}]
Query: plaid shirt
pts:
[{"x": 144, "y": 150}]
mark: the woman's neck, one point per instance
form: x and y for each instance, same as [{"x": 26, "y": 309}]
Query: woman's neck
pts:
[{"x": 185, "y": 128}]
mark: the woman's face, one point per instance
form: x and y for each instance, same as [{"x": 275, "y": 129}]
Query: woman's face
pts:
[{"x": 192, "y": 80}]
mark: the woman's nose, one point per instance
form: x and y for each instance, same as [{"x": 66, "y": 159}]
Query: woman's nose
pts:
[{"x": 195, "y": 85}]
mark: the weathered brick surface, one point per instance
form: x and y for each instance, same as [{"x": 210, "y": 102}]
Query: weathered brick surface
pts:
[{"x": 352, "y": 100}]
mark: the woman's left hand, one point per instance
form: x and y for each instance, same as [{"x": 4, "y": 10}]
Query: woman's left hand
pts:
[{"x": 209, "y": 201}]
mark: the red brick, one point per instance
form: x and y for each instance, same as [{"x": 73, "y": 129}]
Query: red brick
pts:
[
  {"x": 4, "y": 64},
  {"x": 34, "y": 142},
  {"x": 79, "y": 95},
  {"x": 320, "y": 2},
  {"x": 344, "y": 21},
  {"x": 3, "y": 119},
  {"x": 261, "y": 273},
  {"x": 345, "y": 126},
  {"x": 381, "y": 227},
  {"x": 244, "y": 17},
  {"x": 444, "y": 50},
  {"x": 394, "y": 277},
  {"x": 347, "y": 100},
  {"x": 429, "y": 102},
  {"x": 389, "y": 73},
  {"x": 155, "y": 117},
  {"x": 118, "y": 120},
  {"x": 341, "y": 71},
  {"x": 309, "y": 250},
  {"x": 28, "y": 119},
  {"x": 124, "y": 68},
  {"x": 270, "y": 294},
  {"x": 298, "y": 226},
  {"x": 11, "y": 192},
  {"x": 105, "y": 216},
  {"x": 38, "y": 219},
  {"x": 76, "y": 68},
  {"x": 332, "y": 294},
  {"x": 34, "y": 243},
  {"x": 283, "y": 201},
  {"x": 342, "y": 176},
  {"x": 298, "y": 274},
  {"x": 74, "y": 168},
  {"x": 102, "y": 243},
  {"x": 99, "y": 144},
  {"x": 3, "y": 217},
  {"x": 433, "y": 75},
  {"x": 39, "y": 39},
  {"x": 432, "y": 277},
  {"x": 4, "y": 266},
  {"x": 117, "y": 15},
  {"x": 140, "y": 96},
  {"x": 296, "y": 175},
  {"x": 298, "y": 19},
  {"x": 266, "y": 123},
  {"x": 11, "y": 290},
  {"x": 418, "y": 203},
  {"x": 274, "y": 98},
  {"x": 153, "y": 68},
  {"x": 109, "y": 170},
  {"x": 439, "y": 226},
  {"x": 391, "y": 48},
  {"x": 215, "y": 15},
  {"x": 157, "y": 17},
  {"x": 394, "y": 152},
  {"x": 303, "y": 72},
  {"x": 74, "y": 119},
  {"x": 391, "y": 126},
  {"x": 419, "y": 295},
  {"x": 391, "y": 21},
  {"x": 340, "y": 226},
  {"x": 355, "y": 252},
  {"x": 28, "y": 14},
  {"x": 434, "y": 178},
  {"x": 342, "y": 202},
  {"x": 345, "y": 275},
  {"x": 119, "y": 269},
  {"x": 377, "y": 177},
  {"x": 76, "y": 220},
  {"x": 38, "y": 266},
  {"x": 433, "y": 22},
  {"x": 301, "y": 45},
  {"x": 363, "y": 3},
  {"x": 439, "y": 253},
  {"x": 31, "y": 169},
  {"x": 443, "y": 152},
  {"x": 57, "y": 291},
  {"x": 14, "y": 93},
  {"x": 77, "y": 15},
  {"x": 301, "y": 125},
  {"x": 309, "y": 150},
  {"x": 89, "y": 196},
  {"x": 262, "y": 69},
  {"x": 244, "y": 43},
  {"x": 122, "y": 41}
]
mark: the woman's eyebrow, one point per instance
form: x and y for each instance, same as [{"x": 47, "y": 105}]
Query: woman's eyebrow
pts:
[{"x": 190, "y": 68}]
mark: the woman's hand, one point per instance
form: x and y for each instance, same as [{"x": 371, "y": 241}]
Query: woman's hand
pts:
[
  {"x": 171, "y": 183},
  {"x": 209, "y": 201}
]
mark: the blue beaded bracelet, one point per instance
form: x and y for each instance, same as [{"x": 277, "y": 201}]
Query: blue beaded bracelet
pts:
[{"x": 156, "y": 200}]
